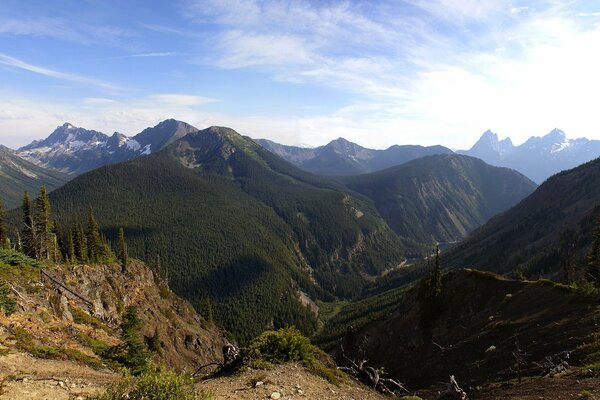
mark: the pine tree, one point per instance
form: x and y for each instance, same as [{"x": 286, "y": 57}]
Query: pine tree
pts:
[
  {"x": 592, "y": 272},
  {"x": 81, "y": 248},
  {"x": 94, "y": 242},
  {"x": 28, "y": 234},
  {"x": 43, "y": 225},
  {"x": 4, "y": 242},
  {"x": 435, "y": 278},
  {"x": 60, "y": 247},
  {"x": 122, "y": 251},
  {"x": 70, "y": 255},
  {"x": 137, "y": 354}
]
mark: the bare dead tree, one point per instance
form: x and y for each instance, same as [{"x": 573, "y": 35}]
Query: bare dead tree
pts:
[
  {"x": 453, "y": 391},
  {"x": 231, "y": 354},
  {"x": 552, "y": 365},
  {"x": 372, "y": 376},
  {"x": 520, "y": 356}
]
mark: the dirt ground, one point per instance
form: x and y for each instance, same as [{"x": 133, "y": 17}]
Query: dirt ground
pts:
[
  {"x": 546, "y": 389},
  {"x": 291, "y": 381},
  {"x": 24, "y": 377}
]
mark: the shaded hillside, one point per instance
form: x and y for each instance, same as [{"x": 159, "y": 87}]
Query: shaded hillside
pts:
[
  {"x": 238, "y": 227},
  {"x": 441, "y": 198},
  {"x": 342, "y": 157},
  {"x": 477, "y": 311},
  {"x": 18, "y": 175},
  {"x": 551, "y": 225}
]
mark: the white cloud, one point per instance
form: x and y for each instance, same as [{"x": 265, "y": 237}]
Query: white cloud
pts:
[
  {"x": 20, "y": 64},
  {"x": 180, "y": 100}
]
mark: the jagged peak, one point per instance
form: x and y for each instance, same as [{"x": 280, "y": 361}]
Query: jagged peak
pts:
[{"x": 556, "y": 134}]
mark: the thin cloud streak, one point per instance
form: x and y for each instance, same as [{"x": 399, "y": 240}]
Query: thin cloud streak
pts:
[{"x": 16, "y": 63}]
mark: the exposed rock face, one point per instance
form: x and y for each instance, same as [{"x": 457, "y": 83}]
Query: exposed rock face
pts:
[{"x": 187, "y": 339}]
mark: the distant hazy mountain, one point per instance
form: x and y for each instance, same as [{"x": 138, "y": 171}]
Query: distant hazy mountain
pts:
[
  {"x": 341, "y": 157},
  {"x": 76, "y": 150},
  {"x": 18, "y": 175},
  {"x": 441, "y": 198},
  {"x": 539, "y": 157}
]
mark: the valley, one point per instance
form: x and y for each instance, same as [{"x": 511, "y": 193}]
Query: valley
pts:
[{"x": 256, "y": 244}]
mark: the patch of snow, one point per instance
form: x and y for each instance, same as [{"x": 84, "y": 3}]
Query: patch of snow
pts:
[
  {"x": 561, "y": 146},
  {"x": 77, "y": 144},
  {"x": 147, "y": 150},
  {"x": 133, "y": 144}
]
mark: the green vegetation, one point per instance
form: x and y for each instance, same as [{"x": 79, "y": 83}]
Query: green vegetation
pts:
[
  {"x": 235, "y": 225},
  {"x": 27, "y": 342},
  {"x": 440, "y": 198},
  {"x": 547, "y": 234},
  {"x": 7, "y": 303},
  {"x": 122, "y": 250},
  {"x": 81, "y": 317},
  {"x": 133, "y": 354},
  {"x": 288, "y": 344},
  {"x": 154, "y": 384}
]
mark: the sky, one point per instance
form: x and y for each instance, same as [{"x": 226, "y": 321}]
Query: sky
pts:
[{"x": 303, "y": 72}]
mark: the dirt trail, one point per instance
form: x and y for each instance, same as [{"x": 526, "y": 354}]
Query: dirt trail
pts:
[
  {"x": 291, "y": 381},
  {"x": 25, "y": 377}
]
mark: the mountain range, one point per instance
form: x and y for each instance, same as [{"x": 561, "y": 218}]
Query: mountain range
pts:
[
  {"x": 341, "y": 157},
  {"x": 539, "y": 157},
  {"x": 74, "y": 150}
]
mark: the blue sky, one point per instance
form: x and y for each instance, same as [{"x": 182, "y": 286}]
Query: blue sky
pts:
[{"x": 303, "y": 72}]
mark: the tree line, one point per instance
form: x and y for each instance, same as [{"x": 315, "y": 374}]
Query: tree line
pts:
[{"x": 43, "y": 238}]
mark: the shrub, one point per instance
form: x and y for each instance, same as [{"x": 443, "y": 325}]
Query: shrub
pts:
[
  {"x": 586, "y": 292},
  {"x": 288, "y": 344},
  {"x": 154, "y": 384},
  {"x": 8, "y": 304}
]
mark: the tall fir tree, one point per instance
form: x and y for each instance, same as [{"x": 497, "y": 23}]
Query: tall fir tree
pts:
[
  {"x": 43, "y": 225},
  {"x": 592, "y": 272},
  {"x": 94, "y": 241},
  {"x": 70, "y": 255},
  {"x": 435, "y": 278},
  {"x": 122, "y": 251},
  {"x": 4, "y": 242},
  {"x": 60, "y": 246},
  {"x": 81, "y": 250},
  {"x": 28, "y": 240}
]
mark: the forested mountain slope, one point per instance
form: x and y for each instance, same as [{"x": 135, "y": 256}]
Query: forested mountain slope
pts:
[
  {"x": 550, "y": 227},
  {"x": 237, "y": 227},
  {"x": 18, "y": 175},
  {"x": 441, "y": 198}
]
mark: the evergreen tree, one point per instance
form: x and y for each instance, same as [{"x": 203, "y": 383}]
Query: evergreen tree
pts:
[
  {"x": 4, "y": 242},
  {"x": 435, "y": 278},
  {"x": 28, "y": 234},
  {"x": 122, "y": 251},
  {"x": 592, "y": 272},
  {"x": 43, "y": 225},
  {"x": 70, "y": 255},
  {"x": 137, "y": 354},
  {"x": 94, "y": 241},
  {"x": 60, "y": 246},
  {"x": 81, "y": 249}
]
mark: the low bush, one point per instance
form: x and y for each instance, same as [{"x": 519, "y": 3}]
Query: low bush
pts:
[
  {"x": 288, "y": 344},
  {"x": 154, "y": 384}
]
